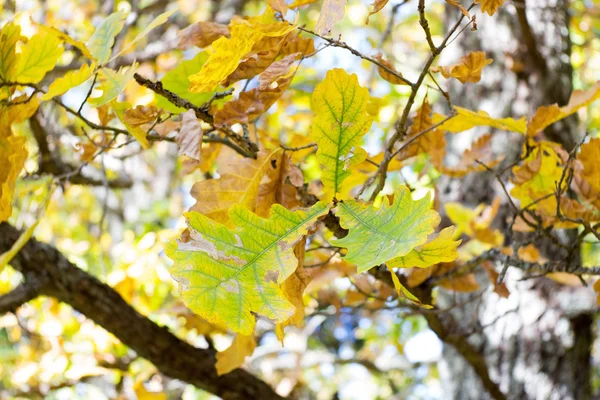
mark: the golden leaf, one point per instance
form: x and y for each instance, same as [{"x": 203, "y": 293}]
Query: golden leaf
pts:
[
  {"x": 38, "y": 57},
  {"x": 468, "y": 69},
  {"x": 68, "y": 81},
  {"x": 489, "y": 6},
  {"x": 391, "y": 78},
  {"x": 13, "y": 154},
  {"x": 228, "y": 52},
  {"x": 467, "y": 119},
  {"x": 239, "y": 184},
  {"x": 377, "y": 6},
  {"x": 547, "y": 115},
  {"x": 233, "y": 357}
]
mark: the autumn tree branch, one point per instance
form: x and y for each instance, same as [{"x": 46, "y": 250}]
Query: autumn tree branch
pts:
[{"x": 99, "y": 302}]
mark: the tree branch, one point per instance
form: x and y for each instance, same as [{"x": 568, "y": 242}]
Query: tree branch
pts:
[
  {"x": 102, "y": 304},
  {"x": 22, "y": 294}
]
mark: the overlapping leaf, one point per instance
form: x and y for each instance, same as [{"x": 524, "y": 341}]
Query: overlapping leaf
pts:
[
  {"x": 441, "y": 248},
  {"x": 38, "y": 57},
  {"x": 228, "y": 52},
  {"x": 239, "y": 184},
  {"x": 468, "y": 69},
  {"x": 377, "y": 235},
  {"x": 341, "y": 121},
  {"x": 102, "y": 40},
  {"x": 332, "y": 12},
  {"x": 467, "y": 119},
  {"x": 228, "y": 276},
  {"x": 68, "y": 81},
  {"x": 112, "y": 83},
  {"x": 12, "y": 158}
]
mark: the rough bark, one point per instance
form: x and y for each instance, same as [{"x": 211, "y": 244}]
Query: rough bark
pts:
[
  {"x": 47, "y": 272},
  {"x": 537, "y": 342}
]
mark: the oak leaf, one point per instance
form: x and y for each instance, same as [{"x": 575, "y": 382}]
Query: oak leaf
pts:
[
  {"x": 230, "y": 276},
  {"x": 39, "y": 56},
  {"x": 377, "y": 235},
  {"x": 386, "y": 75},
  {"x": 68, "y": 81},
  {"x": 440, "y": 248},
  {"x": 189, "y": 137},
  {"x": 341, "y": 121},
  {"x": 489, "y": 6},
  {"x": 377, "y": 6},
  {"x": 141, "y": 115},
  {"x": 466, "y": 119},
  {"x": 102, "y": 40},
  {"x": 201, "y": 34},
  {"x": 468, "y": 69}
]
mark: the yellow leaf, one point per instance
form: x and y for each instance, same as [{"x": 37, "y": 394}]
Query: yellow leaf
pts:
[
  {"x": 143, "y": 394},
  {"x": 300, "y": 3},
  {"x": 462, "y": 9},
  {"x": 332, "y": 12},
  {"x": 441, "y": 248},
  {"x": 341, "y": 121},
  {"x": 228, "y": 52},
  {"x": 489, "y": 6},
  {"x": 233, "y": 357},
  {"x": 467, "y": 119},
  {"x": 67, "y": 39},
  {"x": 404, "y": 292},
  {"x": 293, "y": 290},
  {"x": 468, "y": 69},
  {"x": 38, "y": 57},
  {"x": 68, "y": 81},
  {"x": 239, "y": 184},
  {"x": 12, "y": 159},
  {"x": 9, "y": 59},
  {"x": 589, "y": 156},
  {"x": 547, "y": 115},
  {"x": 20, "y": 109}
]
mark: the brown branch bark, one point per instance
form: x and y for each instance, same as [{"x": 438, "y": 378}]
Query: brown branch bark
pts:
[
  {"x": 22, "y": 294},
  {"x": 102, "y": 304}
]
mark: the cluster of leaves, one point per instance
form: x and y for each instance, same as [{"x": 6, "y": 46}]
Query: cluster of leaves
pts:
[{"x": 242, "y": 257}]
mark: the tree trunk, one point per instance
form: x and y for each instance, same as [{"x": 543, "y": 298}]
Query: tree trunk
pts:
[{"x": 536, "y": 343}]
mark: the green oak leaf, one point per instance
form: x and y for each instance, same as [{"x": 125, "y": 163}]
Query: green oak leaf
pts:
[
  {"x": 231, "y": 276},
  {"x": 341, "y": 121},
  {"x": 377, "y": 235}
]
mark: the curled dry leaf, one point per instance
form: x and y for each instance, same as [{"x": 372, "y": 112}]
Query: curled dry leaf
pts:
[
  {"x": 377, "y": 6},
  {"x": 201, "y": 34},
  {"x": 251, "y": 104},
  {"x": 190, "y": 135},
  {"x": 388, "y": 76},
  {"x": 332, "y": 12},
  {"x": 468, "y": 69},
  {"x": 480, "y": 152},
  {"x": 141, "y": 115}
]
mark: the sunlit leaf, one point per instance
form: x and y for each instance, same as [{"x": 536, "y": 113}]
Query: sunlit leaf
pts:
[
  {"x": 468, "y": 69},
  {"x": 377, "y": 235},
  {"x": 340, "y": 105},
  {"x": 112, "y": 83},
  {"x": 467, "y": 119},
  {"x": 332, "y": 12},
  {"x": 441, "y": 248},
  {"x": 233, "y": 357},
  {"x": 38, "y": 57},
  {"x": 230, "y": 275},
  {"x": 68, "y": 81}
]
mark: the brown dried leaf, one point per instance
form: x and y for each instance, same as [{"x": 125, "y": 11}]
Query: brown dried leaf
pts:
[
  {"x": 479, "y": 151},
  {"x": 391, "y": 78},
  {"x": 141, "y": 115},
  {"x": 332, "y": 12},
  {"x": 201, "y": 34},
  {"x": 190, "y": 135}
]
